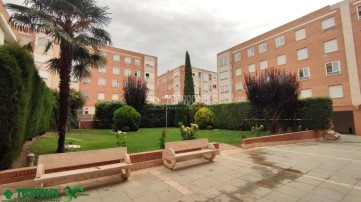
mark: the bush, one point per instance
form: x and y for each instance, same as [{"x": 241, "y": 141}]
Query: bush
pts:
[
  {"x": 126, "y": 118},
  {"x": 204, "y": 117},
  {"x": 193, "y": 109},
  {"x": 315, "y": 113},
  {"x": 189, "y": 133},
  {"x": 104, "y": 112}
]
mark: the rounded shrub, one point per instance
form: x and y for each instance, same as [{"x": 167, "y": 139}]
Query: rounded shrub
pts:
[
  {"x": 126, "y": 118},
  {"x": 204, "y": 117},
  {"x": 193, "y": 109}
]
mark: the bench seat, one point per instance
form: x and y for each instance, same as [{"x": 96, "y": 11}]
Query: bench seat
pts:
[{"x": 190, "y": 148}]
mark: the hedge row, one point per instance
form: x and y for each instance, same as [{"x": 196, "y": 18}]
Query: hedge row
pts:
[
  {"x": 313, "y": 113},
  {"x": 26, "y": 104}
]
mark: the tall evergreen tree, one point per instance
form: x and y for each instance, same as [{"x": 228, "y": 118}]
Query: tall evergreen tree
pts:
[{"x": 188, "y": 93}]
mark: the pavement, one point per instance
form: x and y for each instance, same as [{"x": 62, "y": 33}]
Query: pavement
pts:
[{"x": 313, "y": 171}]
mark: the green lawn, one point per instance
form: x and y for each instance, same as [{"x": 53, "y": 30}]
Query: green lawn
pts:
[{"x": 145, "y": 139}]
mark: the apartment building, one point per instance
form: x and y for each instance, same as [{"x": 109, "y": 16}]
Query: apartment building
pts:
[
  {"x": 7, "y": 34},
  {"x": 170, "y": 86},
  {"x": 107, "y": 82},
  {"x": 322, "y": 47}
]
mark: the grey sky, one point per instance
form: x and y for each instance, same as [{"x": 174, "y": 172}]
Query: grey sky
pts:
[{"x": 167, "y": 28}]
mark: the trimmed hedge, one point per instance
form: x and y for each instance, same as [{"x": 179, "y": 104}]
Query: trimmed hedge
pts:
[
  {"x": 26, "y": 104},
  {"x": 153, "y": 116},
  {"x": 233, "y": 116},
  {"x": 104, "y": 112},
  {"x": 315, "y": 113}
]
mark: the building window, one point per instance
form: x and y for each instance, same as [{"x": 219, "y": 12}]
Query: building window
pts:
[
  {"x": 149, "y": 75},
  {"x": 239, "y": 86},
  {"x": 224, "y": 75},
  {"x": 223, "y": 61},
  {"x": 42, "y": 42},
  {"x": 237, "y": 56},
  {"x": 305, "y": 93},
  {"x": 128, "y": 60},
  {"x": 300, "y": 34},
  {"x": 102, "y": 69},
  {"x": 359, "y": 12},
  {"x": 251, "y": 68},
  {"x": 116, "y": 70},
  {"x": 116, "y": 58},
  {"x": 149, "y": 63},
  {"x": 302, "y": 54},
  {"x": 328, "y": 24},
  {"x": 280, "y": 41},
  {"x": 335, "y": 91},
  {"x": 101, "y": 81},
  {"x": 281, "y": 59},
  {"x": 250, "y": 52},
  {"x": 137, "y": 73},
  {"x": 115, "y": 97},
  {"x": 115, "y": 84},
  {"x": 262, "y": 47},
  {"x": 238, "y": 72},
  {"x": 263, "y": 64},
  {"x": 333, "y": 68},
  {"x": 127, "y": 72},
  {"x": 225, "y": 89},
  {"x": 214, "y": 86},
  {"x": 137, "y": 62},
  {"x": 330, "y": 46},
  {"x": 86, "y": 95},
  {"x": 86, "y": 80},
  {"x": 101, "y": 96},
  {"x": 304, "y": 73}
]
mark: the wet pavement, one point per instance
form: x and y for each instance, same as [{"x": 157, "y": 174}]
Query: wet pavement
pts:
[{"x": 313, "y": 171}]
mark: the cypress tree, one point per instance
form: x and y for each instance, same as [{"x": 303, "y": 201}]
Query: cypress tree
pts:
[{"x": 188, "y": 93}]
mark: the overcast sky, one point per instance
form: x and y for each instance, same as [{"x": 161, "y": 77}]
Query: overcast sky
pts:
[{"x": 167, "y": 28}]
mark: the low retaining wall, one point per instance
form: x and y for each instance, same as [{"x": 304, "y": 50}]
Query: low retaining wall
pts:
[
  {"x": 139, "y": 160},
  {"x": 287, "y": 138}
]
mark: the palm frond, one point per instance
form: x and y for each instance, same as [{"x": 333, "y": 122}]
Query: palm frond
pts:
[{"x": 54, "y": 65}]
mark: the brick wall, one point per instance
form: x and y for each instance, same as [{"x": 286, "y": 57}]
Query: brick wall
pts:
[
  {"x": 281, "y": 139},
  {"x": 18, "y": 174}
]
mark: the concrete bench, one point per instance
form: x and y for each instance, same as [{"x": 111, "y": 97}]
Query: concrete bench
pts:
[
  {"x": 184, "y": 149},
  {"x": 63, "y": 168}
]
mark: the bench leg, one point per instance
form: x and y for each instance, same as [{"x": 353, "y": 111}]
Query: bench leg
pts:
[
  {"x": 210, "y": 156},
  {"x": 169, "y": 163},
  {"x": 125, "y": 173}
]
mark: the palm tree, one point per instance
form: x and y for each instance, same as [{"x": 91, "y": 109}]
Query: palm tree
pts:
[{"x": 74, "y": 25}]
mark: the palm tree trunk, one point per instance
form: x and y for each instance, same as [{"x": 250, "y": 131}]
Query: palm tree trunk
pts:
[{"x": 64, "y": 89}]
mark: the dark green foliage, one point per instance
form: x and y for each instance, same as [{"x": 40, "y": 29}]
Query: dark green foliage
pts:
[
  {"x": 233, "y": 116},
  {"x": 162, "y": 139},
  {"x": 135, "y": 92},
  {"x": 188, "y": 92},
  {"x": 204, "y": 117},
  {"x": 181, "y": 113},
  {"x": 193, "y": 109},
  {"x": 25, "y": 102},
  {"x": 126, "y": 118},
  {"x": 271, "y": 92},
  {"x": 104, "y": 112},
  {"x": 153, "y": 116},
  {"x": 315, "y": 113},
  {"x": 76, "y": 103}
]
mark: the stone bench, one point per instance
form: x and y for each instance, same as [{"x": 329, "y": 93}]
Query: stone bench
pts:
[
  {"x": 63, "y": 168},
  {"x": 184, "y": 149}
]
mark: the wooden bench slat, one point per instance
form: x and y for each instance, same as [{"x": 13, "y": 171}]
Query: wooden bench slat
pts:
[{"x": 203, "y": 151}]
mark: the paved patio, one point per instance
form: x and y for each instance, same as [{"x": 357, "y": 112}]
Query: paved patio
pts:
[{"x": 314, "y": 171}]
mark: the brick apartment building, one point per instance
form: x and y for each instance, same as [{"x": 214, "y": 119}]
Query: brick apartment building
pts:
[
  {"x": 323, "y": 47},
  {"x": 170, "y": 86},
  {"x": 107, "y": 82}
]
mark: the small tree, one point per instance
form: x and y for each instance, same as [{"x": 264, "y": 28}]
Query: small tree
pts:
[
  {"x": 271, "y": 92},
  {"x": 188, "y": 92},
  {"x": 135, "y": 93}
]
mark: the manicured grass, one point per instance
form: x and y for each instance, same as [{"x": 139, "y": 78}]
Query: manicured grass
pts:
[{"x": 145, "y": 139}]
